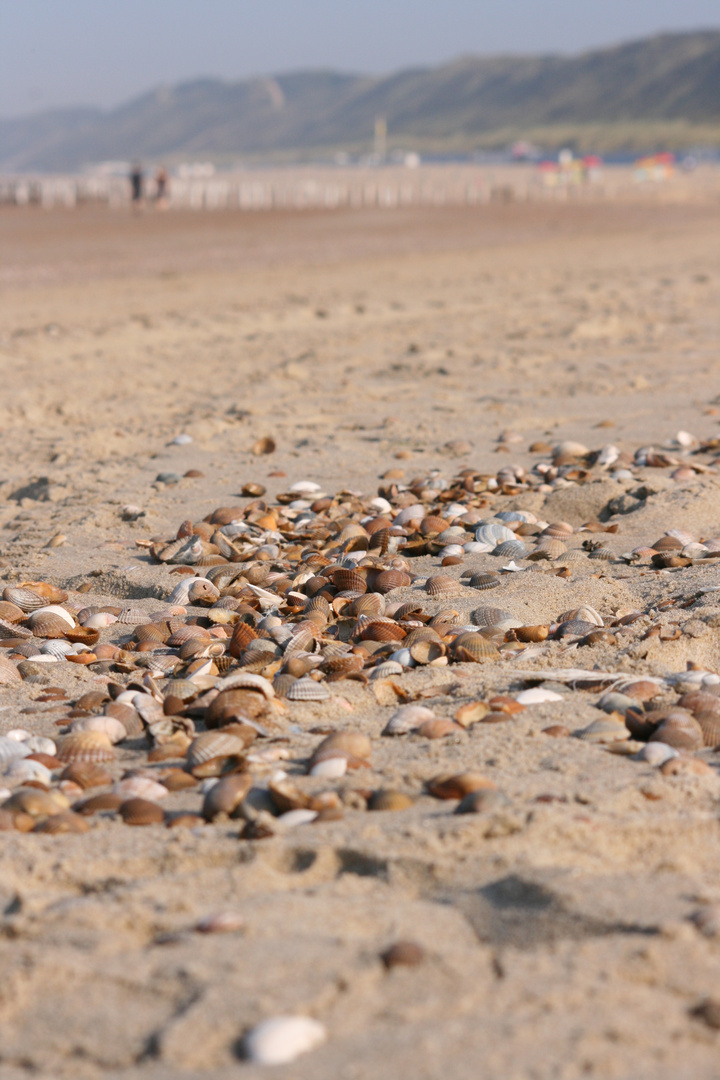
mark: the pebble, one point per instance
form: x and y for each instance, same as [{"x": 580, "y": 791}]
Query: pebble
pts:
[{"x": 282, "y": 1039}]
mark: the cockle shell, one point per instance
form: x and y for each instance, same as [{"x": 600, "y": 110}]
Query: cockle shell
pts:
[
  {"x": 215, "y": 752},
  {"x": 474, "y": 648},
  {"x": 407, "y": 718},
  {"x": 307, "y": 690},
  {"x": 24, "y": 771},
  {"x": 441, "y": 585},
  {"x": 139, "y": 787},
  {"x": 490, "y": 616},
  {"x": 111, "y": 727},
  {"x": 11, "y": 750},
  {"x": 138, "y": 811},
  {"x": 225, "y": 796},
  {"x": 9, "y": 674},
  {"x": 85, "y": 746}
]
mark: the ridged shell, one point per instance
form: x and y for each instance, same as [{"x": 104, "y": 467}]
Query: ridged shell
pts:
[
  {"x": 46, "y": 624},
  {"x": 26, "y": 599},
  {"x": 10, "y": 613},
  {"x": 225, "y": 796},
  {"x": 133, "y": 617},
  {"x": 386, "y": 669},
  {"x": 573, "y": 555},
  {"x": 9, "y": 674},
  {"x": 152, "y": 631},
  {"x": 85, "y": 746},
  {"x": 282, "y": 683},
  {"x": 511, "y": 549},
  {"x": 65, "y": 822},
  {"x": 388, "y": 580},
  {"x": 86, "y": 774},
  {"x": 551, "y": 546},
  {"x": 108, "y": 725},
  {"x": 338, "y": 667},
  {"x": 601, "y": 554},
  {"x": 212, "y": 745},
  {"x": 308, "y": 690},
  {"x": 585, "y": 613},
  {"x": 484, "y": 581},
  {"x": 350, "y": 580},
  {"x": 491, "y": 616},
  {"x": 367, "y": 604},
  {"x": 183, "y": 689},
  {"x": 474, "y": 647},
  {"x": 441, "y": 585},
  {"x": 493, "y": 533},
  {"x": 680, "y": 731},
  {"x": 382, "y": 630}
]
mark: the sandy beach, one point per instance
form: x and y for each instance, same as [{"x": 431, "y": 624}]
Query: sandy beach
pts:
[{"x": 556, "y": 927}]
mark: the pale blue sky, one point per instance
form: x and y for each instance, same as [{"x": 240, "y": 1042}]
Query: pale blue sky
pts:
[{"x": 102, "y": 52}]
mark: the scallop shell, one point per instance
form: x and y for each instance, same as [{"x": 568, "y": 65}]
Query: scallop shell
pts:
[
  {"x": 681, "y": 731},
  {"x": 601, "y": 554},
  {"x": 407, "y": 718},
  {"x": 584, "y": 613},
  {"x": 307, "y": 690},
  {"x": 495, "y": 617},
  {"x": 606, "y": 729},
  {"x": 352, "y": 744},
  {"x": 493, "y": 533},
  {"x": 215, "y": 752},
  {"x": 458, "y": 785},
  {"x": 27, "y": 771},
  {"x": 85, "y": 746},
  {"x": 484, "y": 581},
  {"x": 96, "y": 803},
  {"x": 474, "y": 648},
  {"x": 573, "y": 555},
  {"x": 48, "y": 624},
  {"x": 388, "y": 580},
  {"x": 159, "y": 633},
  {"x": 10, "y": 613},
  {"x": 387, "y": 669},
  {"x": 441, "y": 585},
  {"x": 139, "y": 811},
  {"x": 511, "y": 549},
  {"x": 9, "y": 674},
  {"x": 381, "y": 630},
  {"x": 710, "y": 725},
  {"x": 350, "y": 580},
  {"x": 24, "y": 598},
  {"x": 86, "y": 775}
]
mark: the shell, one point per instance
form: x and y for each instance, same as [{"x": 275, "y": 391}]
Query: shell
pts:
[
  {"x": 350, "y": 581},
  {"x": 426, "y": 652},
  {"x": 24, "y": 598},
  {"x": 367, "y": 604},
  {"x": 496, "y": 617},
  {"x": 474, "y": 648},
  {"x": 511, "y": 549},
  {"x": 407, "y": 719},
  {"x": 65, "y": 822},
  {"x": 382, "y": 630},
  {"x": 307, "y": 689},
  {"x": 387, "y": 669},
  {"x": 111, "y": 727},
  {"x": 9, "y": 674},
  {"x": 97, "y": 803},
  {"x": 225, "y": 796},
  {"x": 601, "y": 554},
  {"x": 282, "y": 1039},
  {"x": 11, "y": 750},
  {"x": 607, "y": 729},
  {"x": 458, "y": 785},
  {"x": 141, "y": 812},
  {"x": 584, "y": 613},
  {"x": 388, "y": 580},
  {"x": 27, "y": 771},
  {"x": 441, "y": 585},
  {"x": 679, "y": 730},
  {"x": 710, "y": 725},
  {"x": 35, "y": 802},
  {"x": 390, "y": 800},
  {"x": 350, "y": 744},
  {"x": 85, "y": 746},
  {"x": 493, "y": 534},
  {"x": 140, "y": 787},
  {"x": 48, "y": 624},
  {"x": 86, "y": 775},
  {"x": 214, "y": 753},
  {"x": 484, "y": 581}
]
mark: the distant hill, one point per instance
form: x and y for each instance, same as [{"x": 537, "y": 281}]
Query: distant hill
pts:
[{"x": 663, "y": 90}]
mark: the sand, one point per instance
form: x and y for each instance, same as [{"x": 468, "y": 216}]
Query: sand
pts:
[{"x": 556, "y": 933}]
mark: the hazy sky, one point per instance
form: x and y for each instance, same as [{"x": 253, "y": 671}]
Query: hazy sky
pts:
[{"x": 102, "y": 52}]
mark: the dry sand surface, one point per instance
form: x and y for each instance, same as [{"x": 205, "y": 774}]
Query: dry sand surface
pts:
[{"x": 556, "y": 925}]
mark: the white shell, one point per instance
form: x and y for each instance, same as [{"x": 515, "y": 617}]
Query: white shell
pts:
[
  {"x": 381, "y": 505},
  {"x": 331, "y": 768},
  {"x": 41, "y": 744},
  {"x": 21, "y": 771},
  {"x": 493, "y": 534},
  {"x": 656, "y": 753},
  {"x": 57, "y": 648},
  {"x": 416, "y": 512},
  {"x": 282, "y": 1039},
  {"x": 100, "y": 620},
  {"x": 407, "y": 719},
  {"x": 298, "y": 817},
  {"x": 306, "y": 486},
  {"x": 11, "y": 749},
  {"x": 139, "y": 787},
  {"x": 536, "y": 696},
  {"x": 19, "y": 734},
  {"x": 109, "y": 725}
]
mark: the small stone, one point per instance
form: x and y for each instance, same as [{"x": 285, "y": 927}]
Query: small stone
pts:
[{"x": 403, "y": 954}]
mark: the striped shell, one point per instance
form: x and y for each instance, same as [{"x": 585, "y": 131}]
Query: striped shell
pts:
[
  {"x": 491, "y": 616},
  {"x": 573, "y": 555},
  {"x": 551, "y": 546},
  {"x": 511, "y": 549},
  {"x": 10, "y": 613},
  {"x": 140, "y": 787},
  {"x": 213, "y": 746},
  {"x": 47, "y": 624},
  {"x": 85, "y": 746},
  {"x": 9, "y": 674},
  {"x": 493, "y": 534},
  {"x": 440, "y": 585},
  {"x": 186, "y": 633},
  {"x": 484, "y": 581},
  {"x": 681, "y": 731},
  {"x": 601, "y": 554},
  {"x": 108, "y": 725},
  {"x": 24, "y": 598},
  {"x": 388, "y": 580},
  {"x": 474, "y": 647},
  {"x": 282, "y": 683},
  {"x": 86, "y": 774},
  {"x": 386, "y": 669},
  {"x": 133, "y": 617},
  {"x": 307, "y": 690},
  {"x": 350, "y": 580}
]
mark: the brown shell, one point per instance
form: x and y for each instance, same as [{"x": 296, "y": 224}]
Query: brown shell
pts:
[
  {"x": 242, "y": 635},
  {"x": 441, "y": 585},
  {"x": 421, "y": 633},
  {"x": 90, "y": 746},
  {"x": 458, "y": 785},
  {"x": 681, "y": 731},
  {"x": 65, "y": 822},
  {"x": 11, "y": 613},
  {"x": 643, "y": 690},
  {"x": 339, "y": 667},
  {"x": 46, "y": 624},
  {"x": 343, "y": 743},
  {"x": 29, "y": 595},
  {"x": 187, "y": 632},
  {"x": 9, "y": 674},
  {"x": 86, "y": 774},
  {"x": 141, "y": 812},
  {"x": 474, "y": 648},
  {"x": 159, "y": 632},
  {"x": 96, "y": 803},
  {"x": 367, "y": 604},
  {"x": 128, "y": 717},
  {"x": 350, "y": 580},
  {"x": 431, "y": 526},
  {"x": 35, "y": 802},
  {"x": 437, "y": 728},
  {"x": 388, "y": 580},
  {"x": 82, "y": 635},
  {"x": 710, "y": 725},
  {"x": 382, "y": 630},
  {"x": 425, "y": 652},
  {"x": 225, "y": 796},
  {"x": 390, "y": 800},
  {"x": 214, "y": 753},
  {"x": 698, "y": 701}
]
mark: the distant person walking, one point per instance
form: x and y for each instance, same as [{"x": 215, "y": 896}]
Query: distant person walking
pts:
[
  {"x": 136, "y": 185},
  {"x": 161, "y": 188}
]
